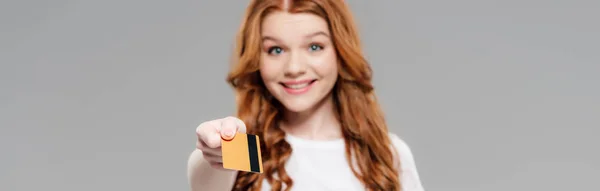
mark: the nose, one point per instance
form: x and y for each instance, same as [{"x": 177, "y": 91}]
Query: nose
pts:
[{"x": 296, "y": 65}]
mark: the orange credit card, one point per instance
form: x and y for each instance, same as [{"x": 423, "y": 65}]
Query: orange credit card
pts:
[{"x": 242, "y": 153}]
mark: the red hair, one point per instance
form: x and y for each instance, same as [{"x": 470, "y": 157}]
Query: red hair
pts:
[{"x": 368, "y": 146}]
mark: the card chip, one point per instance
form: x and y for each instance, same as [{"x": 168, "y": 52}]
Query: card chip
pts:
[{"x": 242, "y": 153}]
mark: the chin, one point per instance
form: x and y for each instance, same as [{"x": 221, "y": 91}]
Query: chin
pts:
[{"x": 297, "y": 106}]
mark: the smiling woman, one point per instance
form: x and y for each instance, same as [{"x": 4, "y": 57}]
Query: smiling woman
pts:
[{"x": 304, "y": 87}]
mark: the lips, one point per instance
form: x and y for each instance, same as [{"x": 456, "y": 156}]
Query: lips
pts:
[
  {"x": 298, "y": 84},
  {"x": 297, "y": 87}
]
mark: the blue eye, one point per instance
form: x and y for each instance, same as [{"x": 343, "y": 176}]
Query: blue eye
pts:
[
  {"x": 315, "y": 47},
  {"x": 275, "y": 50}
]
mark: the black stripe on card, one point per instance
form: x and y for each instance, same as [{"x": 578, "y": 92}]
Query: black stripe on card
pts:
[{"x": 253, "y": 153}]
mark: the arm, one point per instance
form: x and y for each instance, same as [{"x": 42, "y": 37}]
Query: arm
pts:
[{"x": 201, "y": 176}]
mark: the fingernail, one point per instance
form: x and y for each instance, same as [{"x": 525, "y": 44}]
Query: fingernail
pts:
[{"x": 229, "y": 133}]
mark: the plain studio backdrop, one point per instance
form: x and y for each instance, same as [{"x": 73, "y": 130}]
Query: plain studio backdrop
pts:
[{"x": 490, "y": 95}]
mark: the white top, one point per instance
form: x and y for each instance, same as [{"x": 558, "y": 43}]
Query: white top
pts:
[{"x": 322, "y": 166}]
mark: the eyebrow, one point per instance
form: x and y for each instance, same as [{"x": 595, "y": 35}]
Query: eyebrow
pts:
[{"x": 265, "y": 38}]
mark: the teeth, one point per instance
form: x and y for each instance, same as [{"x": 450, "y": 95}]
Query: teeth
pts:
[{"x": 297, "y": 86}]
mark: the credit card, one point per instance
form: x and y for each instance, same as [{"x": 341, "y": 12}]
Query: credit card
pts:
[{"x": 242, "y": 153}]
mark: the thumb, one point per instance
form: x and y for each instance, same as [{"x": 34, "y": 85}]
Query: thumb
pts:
[{"x": 230, "y": 126}]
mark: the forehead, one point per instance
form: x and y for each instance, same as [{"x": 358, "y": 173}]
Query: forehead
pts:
[{"x": 284, "y": 24}]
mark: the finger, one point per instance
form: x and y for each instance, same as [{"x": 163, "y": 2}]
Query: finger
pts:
[
  {"x": 217, "y": 165},
  {"x": 212, "y": 158},
  {"x": 206, "y": 149},
  {"x": 241, "y": 127},
  {"x": 208, "y": 134},
  {"x": 228, "y": 128},
  {"x": 204, "y": 129}
]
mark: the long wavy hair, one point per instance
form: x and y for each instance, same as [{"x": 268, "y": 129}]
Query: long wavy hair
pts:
[{"x": 368, "y": 147}]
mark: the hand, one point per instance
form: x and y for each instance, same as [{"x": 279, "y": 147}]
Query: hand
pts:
[{"x": 210, "y": 134}]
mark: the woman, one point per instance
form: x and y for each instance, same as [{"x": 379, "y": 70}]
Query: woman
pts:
[{"x": 304, "y": 87}]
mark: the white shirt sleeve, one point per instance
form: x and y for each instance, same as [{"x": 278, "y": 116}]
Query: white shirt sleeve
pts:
[{"x": 409, "y": 176}]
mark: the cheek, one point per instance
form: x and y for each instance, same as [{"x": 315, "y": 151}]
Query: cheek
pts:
[
  {"x": 326, "y": 65},
  {"x": 269, "y": 71}
]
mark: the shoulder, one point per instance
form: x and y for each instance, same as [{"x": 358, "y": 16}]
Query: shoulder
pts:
[
  {"x": 405, "y": 160},
  {"x": 401, "y": 148}
]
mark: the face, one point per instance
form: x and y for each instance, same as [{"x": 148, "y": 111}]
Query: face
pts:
[{"x": 298, "y": 60}]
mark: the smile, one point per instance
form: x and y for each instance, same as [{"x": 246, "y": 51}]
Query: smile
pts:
[{"x": 298, "y": 87}]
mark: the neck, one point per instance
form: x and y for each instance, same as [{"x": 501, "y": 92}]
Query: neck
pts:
[{"x": 317, "y": 123}]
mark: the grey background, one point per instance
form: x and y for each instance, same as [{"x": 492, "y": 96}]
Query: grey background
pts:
[{"x": 490, "y": 95}]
